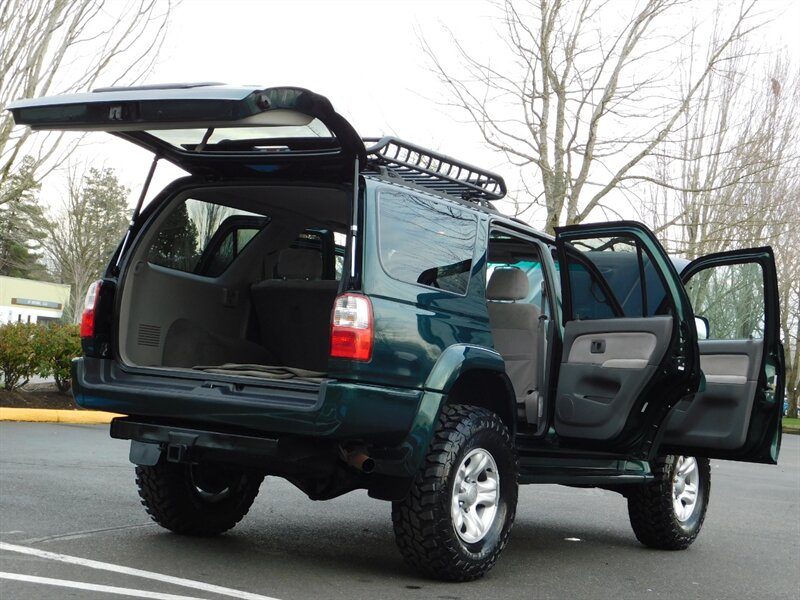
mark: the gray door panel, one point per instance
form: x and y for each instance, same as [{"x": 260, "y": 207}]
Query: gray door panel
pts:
[
  {"x": 719, "y": 417},
  {"x": 606, "y": 365}
]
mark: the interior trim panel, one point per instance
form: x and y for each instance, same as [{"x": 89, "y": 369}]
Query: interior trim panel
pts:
[
  {"x": 607, "y": 363},
  {"x": 718, "y": 418}
]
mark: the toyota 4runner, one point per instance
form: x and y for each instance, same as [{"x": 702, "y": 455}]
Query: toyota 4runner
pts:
[{"x": 353, "y": 314}]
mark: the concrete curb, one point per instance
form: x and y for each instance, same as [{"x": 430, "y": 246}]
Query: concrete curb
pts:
[{"x": 47, "y": 415}]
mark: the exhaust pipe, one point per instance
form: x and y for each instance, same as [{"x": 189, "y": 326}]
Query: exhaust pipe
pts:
[{"x": 361, "y": 461}]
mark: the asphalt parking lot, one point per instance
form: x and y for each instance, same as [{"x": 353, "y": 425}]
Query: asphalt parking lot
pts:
[{"x": 71, "y": 527}]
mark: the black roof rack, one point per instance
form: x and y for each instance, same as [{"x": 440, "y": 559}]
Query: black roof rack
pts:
[{"x": 432, "y": 170}]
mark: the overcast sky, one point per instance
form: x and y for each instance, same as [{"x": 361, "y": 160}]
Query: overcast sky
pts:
[{"x": 363, "y": 55}]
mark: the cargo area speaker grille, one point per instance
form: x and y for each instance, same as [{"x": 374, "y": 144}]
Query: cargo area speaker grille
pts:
[{"x": 149, "y": 335}]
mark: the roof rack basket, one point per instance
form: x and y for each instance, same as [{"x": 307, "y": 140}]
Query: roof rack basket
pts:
[{"x": 432, "y": 170}]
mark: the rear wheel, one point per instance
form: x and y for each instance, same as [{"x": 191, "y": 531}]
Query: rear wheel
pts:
[
  {"x": 196, "y": 499},
  {"x": 457, "y": 517},
  {"x": 668, "y": 513}
]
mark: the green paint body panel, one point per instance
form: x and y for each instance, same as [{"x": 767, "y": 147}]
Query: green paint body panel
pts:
[{"x": 457, "y": 360}]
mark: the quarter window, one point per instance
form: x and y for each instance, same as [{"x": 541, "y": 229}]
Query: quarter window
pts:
[
  {"x": 426, "y": 241},
  {"x": 203, "y": 237}
]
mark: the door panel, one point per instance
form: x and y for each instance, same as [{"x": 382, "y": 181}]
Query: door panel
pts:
[
  {"x": 719, "y": 416},
  {"x": 737, "y": 415},
  {"x": 608, "y": 364},
  {"x": 629, "y": 345}
]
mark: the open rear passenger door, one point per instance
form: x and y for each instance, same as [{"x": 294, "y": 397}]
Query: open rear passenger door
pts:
[
  {"x": 629, "y": 343},
  {"x": 738, "y": 414}
]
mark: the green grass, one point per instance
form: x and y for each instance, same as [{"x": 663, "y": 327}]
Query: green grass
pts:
[{"x": 791, "y": 422}]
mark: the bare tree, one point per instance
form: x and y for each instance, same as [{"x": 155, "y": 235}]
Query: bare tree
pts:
[
  {"x": 737, "y": 168},
  {"x": 788, "y": 257},
  {"x": 588, "y": 98},
  {"x": 63, "y": 46},
  {"x": 85, "y": 232},
  {"x": 733, "y": 162}
]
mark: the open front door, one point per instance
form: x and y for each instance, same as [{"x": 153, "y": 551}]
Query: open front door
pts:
[
  {"x": 738, "y": 414},
  {"x": 629, "y": 345}
]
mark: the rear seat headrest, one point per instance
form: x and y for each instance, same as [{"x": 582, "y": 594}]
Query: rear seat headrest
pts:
[
  {"x": 299, "y": 263},
  {"x": 508, "y": 283}
]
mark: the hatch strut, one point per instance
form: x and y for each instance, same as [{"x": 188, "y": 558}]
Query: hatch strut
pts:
[
  {"x": 354, "y": 223},
  {"x": 136, "y": 211},
  {"x": 202, "y": 145}
]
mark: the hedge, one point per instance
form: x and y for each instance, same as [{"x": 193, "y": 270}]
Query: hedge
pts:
[{"x": 28, "y": 349}]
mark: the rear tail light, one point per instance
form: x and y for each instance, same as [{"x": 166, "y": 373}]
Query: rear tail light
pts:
[
  {"x": 89, "y": 310},
  {"x": 352, "y": 328}
]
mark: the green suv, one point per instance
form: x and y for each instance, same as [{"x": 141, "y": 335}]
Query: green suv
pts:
[{"x": 352, "y": 313}]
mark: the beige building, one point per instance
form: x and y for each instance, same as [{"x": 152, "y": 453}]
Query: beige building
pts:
[{"x": 31, "y": 301}]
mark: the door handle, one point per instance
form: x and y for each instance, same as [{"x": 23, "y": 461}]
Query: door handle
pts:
[{"x": 598, "y": 347}]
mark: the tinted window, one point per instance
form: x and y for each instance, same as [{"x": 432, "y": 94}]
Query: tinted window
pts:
[
  {"x": 425, "y": 241},
  {"x": 203, "y": 237},
  {"x": 613, "y": 277}
]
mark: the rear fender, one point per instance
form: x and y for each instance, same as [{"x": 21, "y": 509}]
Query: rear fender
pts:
[{"x": 456, "y": 362}]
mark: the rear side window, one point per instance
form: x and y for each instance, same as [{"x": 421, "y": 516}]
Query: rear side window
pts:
[
  {"x": 613, "y": 277},
  {"x": 203, "y": 237},
  {"x": 424, "y": 241}
]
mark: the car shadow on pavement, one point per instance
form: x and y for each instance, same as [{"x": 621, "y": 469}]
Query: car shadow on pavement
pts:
[{"x": 367, "y": 552}]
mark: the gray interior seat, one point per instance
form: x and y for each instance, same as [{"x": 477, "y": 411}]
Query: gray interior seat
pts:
[
  {"x": 294, "y": 310},
  {"x": 515, "y": 329}
]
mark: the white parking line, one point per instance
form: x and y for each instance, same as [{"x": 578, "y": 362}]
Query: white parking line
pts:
[
  {"x": 108, "y": 589},
  {"x": 94, "y": 564}
]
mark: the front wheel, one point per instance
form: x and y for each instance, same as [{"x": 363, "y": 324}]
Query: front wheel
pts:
[
  {"x": 196, "y": 499},
  {"x": 668, "y": 513},
  {"x": 458, "y": 514}
]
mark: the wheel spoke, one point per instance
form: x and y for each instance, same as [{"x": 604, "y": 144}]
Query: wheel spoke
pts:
[
  {"x": 486, "y": 499},
  {"x": 459, "y": 520},
  {"x": 689, "y": 494},
  {"x": 687, "y": 466},
  {"x": 487, "y": 492},
  {"x": 477, "y": 465},
  {"x": 489, "y": 485},
  {"x": 473, "y": 523},
  {"x": 462, "y": 474}
]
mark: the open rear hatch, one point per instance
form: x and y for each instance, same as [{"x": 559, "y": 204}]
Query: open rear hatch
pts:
[
  {"x": 212, "y": 128},
  {"x": 205, "y": 286}
]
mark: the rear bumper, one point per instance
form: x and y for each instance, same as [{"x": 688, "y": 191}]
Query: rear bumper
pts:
[
  {"x": 376, "y": 415},
  {"x": 321, "y": 468},
  {"x": 185, "y": 444}
]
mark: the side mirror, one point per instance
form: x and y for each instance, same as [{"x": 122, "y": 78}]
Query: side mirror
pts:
[{"x": 703, "y": 327}]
